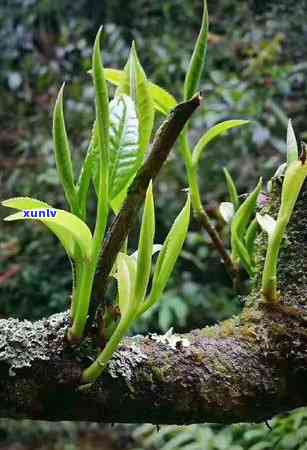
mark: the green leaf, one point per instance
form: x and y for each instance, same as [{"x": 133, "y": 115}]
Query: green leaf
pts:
[
  {"x": 163, "y": 100},
  {"x": 197, "y": 62},
  {"x": 125, "y": 275},
  {"x": 117, "y": 202},
  {"x": 292, "y": 149},
  {"x": 135, "y": 85},
  {"x": 102, "y": 123},
  {"x": 73, "y": 233},
  {"x": 212, "y": 133},
  {"x": 232, "y": 190},
  {"x": 62, "y": 152},
  {"x": 102, "y": 101},
  {"x": 90, "y": 166},
  {"x": 145, "y": 248},
  {"x": 239, "y": 226},
  {"x": 169, "y": 254},
  {"x": 124, "y": 137},
  {"x": 114, "y": 76},
  {"x": 250, "y": 237}
]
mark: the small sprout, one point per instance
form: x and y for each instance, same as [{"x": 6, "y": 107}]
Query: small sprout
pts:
[
  {"x": 102, "y": 124},
  {"x": 145, "y": 249},
  {"x": 126, "y": 279},
  {"x": 136, "y": 85},
  {"x": 89, "y": 166},
  {"x": 62, "y": 153},
  {"x": 197, "y": 62},
  {"x": 250, "y": 238},
  {"x": 293, "y": 181},
  {"x": 168, "y": 256},
  {"x": 232, "y": 190},
  {"x": 227, "y": 211},
  {"x": 239, "y": 228},
  {"x": 164, "y": 102},
  {"x": 292, "y": 149}
]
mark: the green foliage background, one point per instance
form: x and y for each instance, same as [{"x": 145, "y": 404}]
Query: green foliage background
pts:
[{"x": 255, "y": 70}]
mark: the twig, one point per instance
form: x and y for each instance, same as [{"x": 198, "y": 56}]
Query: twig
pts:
[
  {"x": 218, "y": 243},
  {"x": 123, "y": 222}
]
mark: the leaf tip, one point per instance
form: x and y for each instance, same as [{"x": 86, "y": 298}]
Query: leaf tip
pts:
[{"x": 96, "y": 49}]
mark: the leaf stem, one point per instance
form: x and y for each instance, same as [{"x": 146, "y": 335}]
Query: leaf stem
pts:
[
  {"x": 82, "y": 301},
  {"x": 199, "y": 210},
  {"x": 94, "y": 371}
]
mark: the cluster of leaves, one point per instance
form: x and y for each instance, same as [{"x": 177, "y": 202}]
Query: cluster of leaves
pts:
[
  {"x": 120, "y": 139},
  {"x": 39, "y": 43},
  {"x": 243, "y": 224}
]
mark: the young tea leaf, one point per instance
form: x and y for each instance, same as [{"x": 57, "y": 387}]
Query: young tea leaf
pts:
[
  {"x": 239, "y": 227},
  {"x": 73, "y": 233},
  {"x": 125, "y": 275},
  {"x": 102, "y": 101},
  {"x": 292, "y": 149},
  {"x": 135, "y": 85},
  {"x": 117, "y": 202},
  {"x": 124, "y": 138},
  {"x": 212, "y": 133},
  {"x": 294, "y": 178},
  {"x": 145, "y": 248},
  {"x": 232, "y": 190},
  {"x": 168, "y": 255},
  {"x": 163, "y": 100},
  {"x": 89, "y": 168},
  {"x": 250, "y": 237},
  {"x": 62, "y": 152},
  {"x": 196, "y": 66},
  {"x": 102, "y": 123}
]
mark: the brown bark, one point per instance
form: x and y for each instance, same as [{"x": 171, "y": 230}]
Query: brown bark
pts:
[{"x": 248, "y": 368}]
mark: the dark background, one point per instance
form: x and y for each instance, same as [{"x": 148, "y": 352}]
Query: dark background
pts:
[{"x": 256, "y": 69}]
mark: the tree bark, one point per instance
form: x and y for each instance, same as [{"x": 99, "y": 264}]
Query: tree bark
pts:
[{"x": 245, "y": 369}]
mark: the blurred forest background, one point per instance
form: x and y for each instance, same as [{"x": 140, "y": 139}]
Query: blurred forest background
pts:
[{"x": 256, "y": 69}]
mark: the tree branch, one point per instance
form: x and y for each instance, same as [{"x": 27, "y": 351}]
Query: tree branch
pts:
[
  {"x": 248, "y": 368},
  {"x": 240, "y": 373},
  {"x": 164, "y": 140}
]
